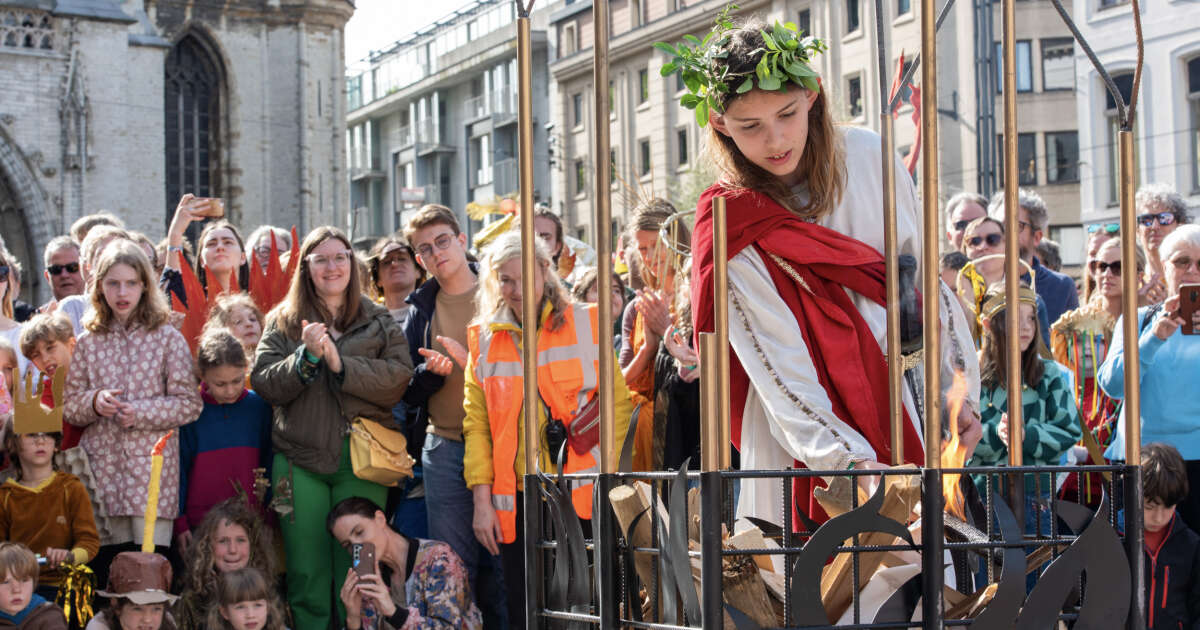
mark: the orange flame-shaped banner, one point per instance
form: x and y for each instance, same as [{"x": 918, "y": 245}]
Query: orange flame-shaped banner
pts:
[{"x": 268, "y": 288}]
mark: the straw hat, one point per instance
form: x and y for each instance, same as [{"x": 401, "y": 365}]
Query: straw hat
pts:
[{"x": 142, "y": 578}]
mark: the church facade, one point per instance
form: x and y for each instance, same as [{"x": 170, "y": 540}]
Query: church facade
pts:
[{"x": 126, "y": 105}]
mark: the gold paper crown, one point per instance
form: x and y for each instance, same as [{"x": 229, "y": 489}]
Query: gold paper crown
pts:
[
  {"x": 30, "y": 415},
  {"x": 997, "y": 302}
]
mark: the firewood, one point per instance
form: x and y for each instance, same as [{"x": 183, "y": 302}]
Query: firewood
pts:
[
  {"x": 628, "y": 502},
  {"x": 973, "y": 604},
  {"x": 745, "y": 590},
  {"x": 752, "y": 538},
  {"x": 901, "y": 494}
]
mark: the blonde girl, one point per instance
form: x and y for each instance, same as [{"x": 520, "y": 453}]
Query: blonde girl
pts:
[{"x": 238, "y": 313}]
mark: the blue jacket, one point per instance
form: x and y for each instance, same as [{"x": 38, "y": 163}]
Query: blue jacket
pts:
[
  {"x": 1057, "y": 290},
  {"x": 1170, "y": 408},
  {"x": 410, "y": 412}
]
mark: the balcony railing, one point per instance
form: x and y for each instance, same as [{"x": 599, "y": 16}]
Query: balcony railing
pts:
[
  {"x": 477, "y": 107},
  {"x": 504, "y": 103},
  {"x": 505, "y": 176},
  {"x": 404, "y": 136}
]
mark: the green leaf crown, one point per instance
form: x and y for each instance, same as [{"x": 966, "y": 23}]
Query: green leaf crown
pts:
[{"x": 785, "y": 58}]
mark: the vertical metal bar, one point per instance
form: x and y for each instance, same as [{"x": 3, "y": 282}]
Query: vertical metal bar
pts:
[
  {"x": 890, "y": 247},
  {"x": 721, "y": 325},
  {"x": 529, "y": 314},
  {"x": 931, "y": 500},
  {"x": 1133, "y": 394},
  {"x": 603, "y": 524},
  {"x": 710, "y": 480},
  {"x": 1012, "y": 273}
]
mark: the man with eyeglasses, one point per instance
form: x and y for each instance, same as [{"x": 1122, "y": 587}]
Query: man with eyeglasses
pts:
[
  {"x": 436, "y": 329},
  {"x": 63, "y": 272},
  {"x": 1057, "y": 290},
  {"x": 1160, "y": 211},
  {"x": 961, "y": 210}
]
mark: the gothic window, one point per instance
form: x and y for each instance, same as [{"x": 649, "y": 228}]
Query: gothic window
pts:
[
  {"x": 193, "y": 99},
  {"x": 25, "y": 29}
]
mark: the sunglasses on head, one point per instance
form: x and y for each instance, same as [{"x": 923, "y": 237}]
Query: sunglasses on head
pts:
[
  {"x": 71, "y": 267},
  {"x": 1099, "y": 268},
  {"x": 993, "y": 239},
  {"x": 1109, "y": 228},
  {"x": 1164, "y": 218}
]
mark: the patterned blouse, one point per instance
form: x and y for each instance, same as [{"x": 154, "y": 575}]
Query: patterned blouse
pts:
[
  {"x": 437, "y": 593},
  {"x": 1051, "y": 424}
]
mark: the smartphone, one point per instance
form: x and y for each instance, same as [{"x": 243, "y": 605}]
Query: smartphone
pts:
[
  {"x": 1189, "y": 303},
  {"x": 210, "y": 207},
  {"x": 362, "y": 558}
]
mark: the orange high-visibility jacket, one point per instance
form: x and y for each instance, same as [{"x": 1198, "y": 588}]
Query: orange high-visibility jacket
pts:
[{"x": 567, "y": 375}]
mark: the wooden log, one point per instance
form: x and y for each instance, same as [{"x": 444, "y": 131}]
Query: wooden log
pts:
[
  {"x": 628, "y": 502},
  {"x": 902, "y": 493}
]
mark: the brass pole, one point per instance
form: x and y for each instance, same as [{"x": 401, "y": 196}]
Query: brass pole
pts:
[
  {"x": 608, "y": 459},
  {"x": 930, "y": 264},
  {"x": 1133, "y": 393},
  {"x": 891, "y": 261},
  {"x": 710, "y": 400},
  {"x": 721, "y": 324},
  {"x": 529, "y": 310},
  {"x": 1012, "y": 212}
]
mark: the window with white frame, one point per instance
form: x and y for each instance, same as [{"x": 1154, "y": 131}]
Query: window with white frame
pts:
[
  {"x": 681, "y": 145},
  {"x": 1124, "y": 84},
  {"x": 1024, "y": 66},
  {"x": 1193, "y": 73},
  {"x": 853, "y": 16},
  {"x": 644, "y": 155},
  {"x": 854, "y": 96},
  {"x": 1058, "y": 64},
  {"x": 1062, "y": 157}
]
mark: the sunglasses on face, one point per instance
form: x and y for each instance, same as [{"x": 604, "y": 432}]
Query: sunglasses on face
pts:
[
  {"x": 961, "y": 225},
  {"x": 1164, "y": 218},
  {"x": 992, "y": 239},
  {"x": 71, "y": 267},
  {"x": 1183, "y": 263},
  {"x": 1100, "y": 268},
  {"x": 4, "y": 269},
  {"x": 1109, "y": 228}
]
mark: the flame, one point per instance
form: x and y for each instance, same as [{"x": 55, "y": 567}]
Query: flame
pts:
[
  {"x": 954, "y": 453},
  {"x": 161, "y": 443}
]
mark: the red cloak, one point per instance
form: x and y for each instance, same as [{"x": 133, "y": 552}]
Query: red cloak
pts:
[{"x": 834, "y": 331}]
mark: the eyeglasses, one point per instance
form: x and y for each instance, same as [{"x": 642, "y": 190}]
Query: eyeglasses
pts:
[
  {"x": 394, "y": 260},
  {"x": 340, "y": 259},
  {"x": 71, "y": 267},
  {"x": 442, "y": 242},
  {"x": 1164, "y": 218},
  {"x": 4, "y": 269},
  {"x": 992, "y": 239},
  {"x": 962, "y": 225},
  {"x": 1099, "y": 268},
  {"x": 262, "y": 252},
  {"x": 1182, "y": 263},
  {"x": 1110, "y": 228},
  {"x": 40, "y": 436}
]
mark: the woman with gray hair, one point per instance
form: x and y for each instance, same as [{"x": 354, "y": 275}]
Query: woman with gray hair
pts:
[
  {"x": 1169, "y": 361},
  {"x": 259, "y": 244},
  {"x": 1160, "y": 210}
]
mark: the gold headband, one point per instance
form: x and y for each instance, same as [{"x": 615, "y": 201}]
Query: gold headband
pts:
[{"x": 997, "y": 302}]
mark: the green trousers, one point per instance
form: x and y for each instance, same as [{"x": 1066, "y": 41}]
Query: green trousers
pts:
[{"x": 316, "y": 564}]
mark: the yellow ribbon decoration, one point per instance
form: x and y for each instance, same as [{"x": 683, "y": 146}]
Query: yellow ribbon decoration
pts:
[
  {"x": 156, "y": 464},
  {"x": 76, "y": 591}
]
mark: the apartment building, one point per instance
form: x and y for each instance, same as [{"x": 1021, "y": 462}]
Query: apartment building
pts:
[
  {"x": 433, "y": 119},
  {"x": 1167, "y": 124},
  {"x": 656, "y": 144}
]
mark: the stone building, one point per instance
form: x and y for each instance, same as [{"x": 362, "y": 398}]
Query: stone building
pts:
[
  {"x": 433, "y": 119},
  {"x": 126, "y": 105},
  {"x": 1167, "y": 123}
]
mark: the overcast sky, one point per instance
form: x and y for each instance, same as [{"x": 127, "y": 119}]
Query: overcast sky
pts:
[{"x": 378, "y": 23}]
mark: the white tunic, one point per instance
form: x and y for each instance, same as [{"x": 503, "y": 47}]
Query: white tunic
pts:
[{"x": 788, "y": 415}]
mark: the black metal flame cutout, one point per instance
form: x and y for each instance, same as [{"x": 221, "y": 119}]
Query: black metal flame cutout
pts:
[
  {"x": 805, "y": 593},
  {"x": 675, "y": 546},
  {"x": 1098, "y": 553},
  {"x": 570, "y": 585},
  {"x": 1010, "y": 592}
]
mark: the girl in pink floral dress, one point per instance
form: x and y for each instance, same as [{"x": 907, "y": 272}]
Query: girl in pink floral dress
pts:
[{"x": 130, "y": 383}]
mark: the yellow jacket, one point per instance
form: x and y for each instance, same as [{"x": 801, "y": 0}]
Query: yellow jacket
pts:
[{"x": 477, "y": 436}]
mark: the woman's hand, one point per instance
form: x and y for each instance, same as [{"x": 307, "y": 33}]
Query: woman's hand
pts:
[
  {"x": 312, "y": 335},
  {"x": 970, "y": 430},
  {"x": 352, "y": 601},
  {"x": 107, "y": 402},
  {"x": 653, "y": 306},
  {"x": 1169, "y": 320},
  {"x": 185, "y": 214},
  {"x": 1153, "y": 291},
  {"x": 372, "y": 588},
  {"x": 486, "y": 523},
  {"x": 436, "y": 362},
  {"x": 331, "y": 354},
  {"x": 1002, "y": 429},
  {"x": 687, "y": 359},
  {"x": 56, "y": 557}
]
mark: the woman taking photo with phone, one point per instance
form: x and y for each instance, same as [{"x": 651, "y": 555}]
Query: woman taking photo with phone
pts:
[
  {"x": 221, "y": 248},
  {"x": 1169, "y": 361},
  {"x": 407, "y": 582}
]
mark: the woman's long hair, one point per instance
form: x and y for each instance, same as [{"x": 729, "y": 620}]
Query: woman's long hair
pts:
[
  {"x": 245, "y": 585},
  {"x": 302, "y": 301},
  {"x": 201, "y": 575},
  {"x": 243, "y": 275},
  {"x": 151, "y": 310},
  {"x": 6, "y": 301},
  {"x": 490, "y": 303},
  {"x": 649, "y": 216},
  {"x": 993, "y": 363},
  {"x": 823, "y": 162}
]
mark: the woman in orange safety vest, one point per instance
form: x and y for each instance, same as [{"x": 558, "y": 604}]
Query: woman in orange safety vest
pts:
[{"x": 493, "y": 430}]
